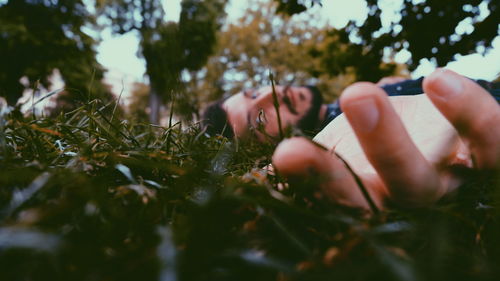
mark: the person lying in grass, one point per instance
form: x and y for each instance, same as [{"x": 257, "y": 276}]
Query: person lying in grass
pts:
[{"x": 403, "y": 146}]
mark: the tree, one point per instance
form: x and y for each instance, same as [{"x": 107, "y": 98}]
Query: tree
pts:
[
  {"x": 292, "y": 7},
  {"x": 433, "y": 29},
  {"x": 337, "y": 55},
  {"x": 430, "y": 29},
  {"x": 260, "y": 42},
  {"x": 38, "y": 37},
  {"x": 295, "y": 49},
  {"x": 167, "y": 48}
]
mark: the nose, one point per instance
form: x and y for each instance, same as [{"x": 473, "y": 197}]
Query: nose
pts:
[{"x": 265, "y": 97}]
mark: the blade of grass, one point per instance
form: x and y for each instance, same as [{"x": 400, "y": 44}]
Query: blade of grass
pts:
[
  {"x": 132, "y": 139},
  {"x": 170, "y": 122},
  {"x": 55, "y": 92},
  {"x": 171, "y": 111},
  {"x": 361, "y": 186},
  {"x": 276, "y": 105},
  {"x": 288, "y": 234},
  {"x": 35, "y": 89},
  {"x": 112, "y": 137},
  {"x": 117, "y": 102},
  {"x": 21, "y": 196},
  {"x": 89, "y": 90}
]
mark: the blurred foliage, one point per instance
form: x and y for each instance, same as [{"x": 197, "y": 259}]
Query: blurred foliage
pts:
[
  {"x": 300, "y": 51},
  {"x": 38, "y": 37},
  {"x": 260, "y": 42},
  {"x": 198, "y": 24},
  {"x": 430, "y": 29},
  {"x": 86, "y": 196},
  {"x": 291, "y": 7},
  {"x": 167, "y": 48},
  {"x": 337, "y": 55},
  {"x": 295, "y": 50},
  {"x": 436, "y": 30}
]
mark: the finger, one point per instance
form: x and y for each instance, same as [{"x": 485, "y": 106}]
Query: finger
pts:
[
  {"x": 299, "y": 159},
  {"x": 472, "y": 111},
  {"x": 408, "y": 176}
]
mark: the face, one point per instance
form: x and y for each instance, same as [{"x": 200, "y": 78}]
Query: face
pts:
[{"x": 255, "y": 108}]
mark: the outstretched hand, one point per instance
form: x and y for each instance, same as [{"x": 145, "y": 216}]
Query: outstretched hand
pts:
[{"x": 402, "y": 148}]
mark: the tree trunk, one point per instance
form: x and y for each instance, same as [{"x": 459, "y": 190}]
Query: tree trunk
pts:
[{"x": 154, "y": 106}]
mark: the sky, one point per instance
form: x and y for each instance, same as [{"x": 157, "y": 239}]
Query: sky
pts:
[{"x": 119, "y": 53}]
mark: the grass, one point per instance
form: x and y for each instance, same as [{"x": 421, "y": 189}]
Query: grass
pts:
[{"x": 85, "y": 196}]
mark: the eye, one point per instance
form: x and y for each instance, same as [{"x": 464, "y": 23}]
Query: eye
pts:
[{"x": 261, "y": 118}]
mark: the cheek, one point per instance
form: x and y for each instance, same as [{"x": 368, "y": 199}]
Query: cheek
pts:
[
  {"x": 306, "y": 106},
  {"x": 287, "y": 119}
]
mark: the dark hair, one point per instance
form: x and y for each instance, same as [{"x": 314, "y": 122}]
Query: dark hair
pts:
[
  {"x": 214, "y": 120},
  {"x": 316, "y": 92},
  {"x": 310, "y": 121}
]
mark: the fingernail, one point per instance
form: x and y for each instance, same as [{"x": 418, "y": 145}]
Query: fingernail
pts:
[
  {"x": 363, "y": 114},
  {"x": 448, "y": 84}
]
